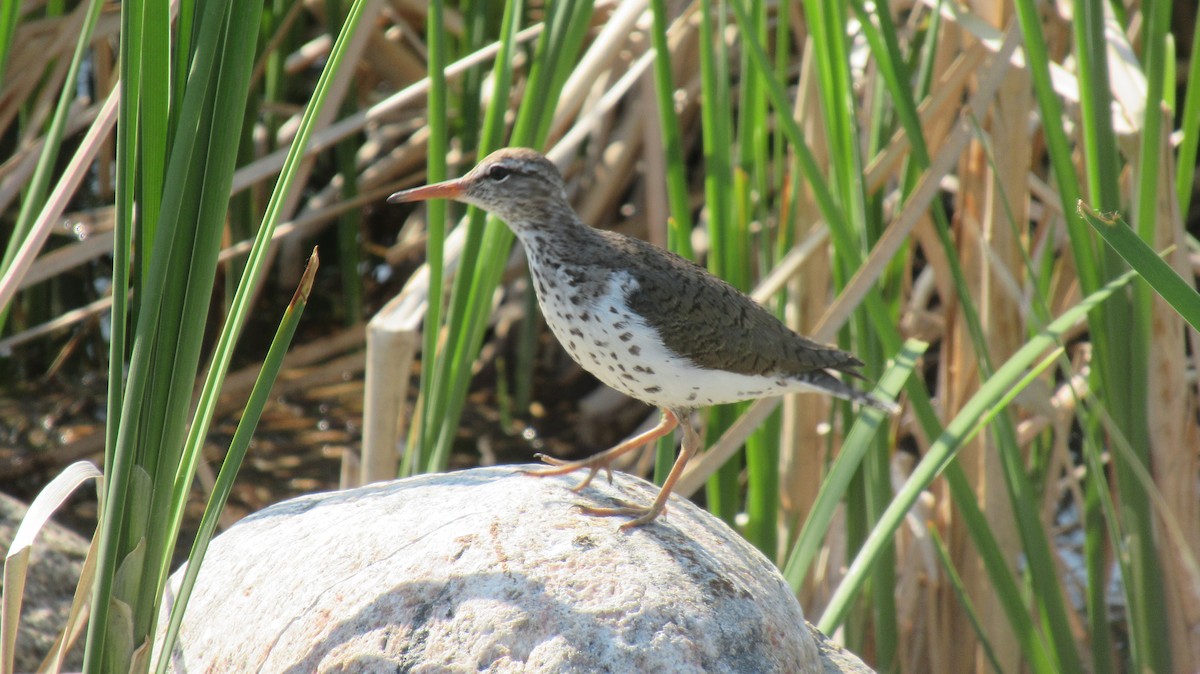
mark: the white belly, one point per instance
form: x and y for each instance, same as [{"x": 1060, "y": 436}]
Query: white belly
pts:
[{"x": 621, "y": 350}]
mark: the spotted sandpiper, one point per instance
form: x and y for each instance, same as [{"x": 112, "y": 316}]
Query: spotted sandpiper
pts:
[{"x": 645, "y": 321}]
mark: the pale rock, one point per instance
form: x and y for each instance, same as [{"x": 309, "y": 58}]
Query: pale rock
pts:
[{"x": 491, "y": 570}]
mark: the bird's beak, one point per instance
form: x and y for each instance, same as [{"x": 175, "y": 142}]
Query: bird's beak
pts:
[{"x": 451, "y": 189}]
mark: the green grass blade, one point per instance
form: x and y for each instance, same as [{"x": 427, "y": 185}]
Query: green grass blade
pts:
[
  {"x": 716, "y": 142},
  {"x": 1124, "y": 342},
  {"x": 477, "y": 26},
  {"x": 781, "y": 103},
  {"x": 205, "y": 176},
  {"x": 1095, "y": 101},
  {"x": 173, "y": 298},
  {"x": 10, "y": 16},
  {"x": 944, "y": 448},
  {"x": 436, "y": 211},
  {"x": 1040, "y": 560},
  {"x": 142, "y": 402},
  {"x": 154, "y": 107},
  {"x": 855, "y": 446},
  {"x": 443, "y": 389},
  {"x": 1096, "y": 558},
  {"x": 870, "y": 489},
  {"x": 238, "y": 447},
  {"x": 1058, "y": 147},
  {"x": 1165, "y": 281},
  {"x": 679, "y": 232},
  {"x": 553, "y": 58},
  {"x": 34, "y": 196},
  {"x": 256, "y": 267},
  {"x": 1156, "y": 29},
  {"x": 1185, "y": 171},
  {"x": 350, "y": 222}
]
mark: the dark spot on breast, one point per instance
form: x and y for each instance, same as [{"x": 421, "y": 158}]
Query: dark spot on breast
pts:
[
  {"x": 601, "y": 345},
  {"x": 576, "y": 331},
  {"x": 691, "y": 397},
  {"x": 635, "y": 349},
  {"x": 612, "y": 354},
  {"x": 552, "y": 284},
  {"x": 612, "y": 310},
  {"x": 653, "y": 389},
  {"x": 628, "y": 377},
  {"x": 619, "y": 325},
  {"x": 639, "y": 368},
  {"x": 576, "y": 299},
  {"x": 585, "y": 316},
  {"x": 626, "y": 336}
]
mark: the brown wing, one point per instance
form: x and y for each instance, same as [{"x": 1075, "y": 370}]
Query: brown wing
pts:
[{"x": 714, "y": 325}]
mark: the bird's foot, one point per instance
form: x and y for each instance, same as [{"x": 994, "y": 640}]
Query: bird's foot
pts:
[
  {"x": 605, "y": 459},
  {"x": 561, "y": 467},
  {"x": 641, "y": 515}
]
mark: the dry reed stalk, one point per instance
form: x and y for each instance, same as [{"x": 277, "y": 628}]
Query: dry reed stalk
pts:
[
  {"x": 57, "y": 200},
  {"x": 17, "y": 170},
  {"x": 613, "y": 170},
  {"x": 53, "y": 38},
  {"x": 600, "y": 57},
  {"x": 393, "y": 339},
  {"x": 991, "y": 204},
  {"x": 1171, "y": 413}
]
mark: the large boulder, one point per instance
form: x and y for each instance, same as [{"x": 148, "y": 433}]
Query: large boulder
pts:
[{"x": 491, "y": 570}]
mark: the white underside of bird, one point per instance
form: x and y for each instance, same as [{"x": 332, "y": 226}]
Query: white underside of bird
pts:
[{"x": 623, "y": 351}]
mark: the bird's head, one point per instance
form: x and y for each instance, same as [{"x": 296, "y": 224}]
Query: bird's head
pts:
[{"x": 514, "y": 184}]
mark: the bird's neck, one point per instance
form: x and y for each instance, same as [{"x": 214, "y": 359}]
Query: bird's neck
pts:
[{"x": 551, "y": 225}]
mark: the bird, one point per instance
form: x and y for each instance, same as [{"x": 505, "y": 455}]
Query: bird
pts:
[{"x": 647, "y": 322}]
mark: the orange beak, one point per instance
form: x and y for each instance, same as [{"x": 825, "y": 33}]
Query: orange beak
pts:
[{"x": 451, "y": 189}]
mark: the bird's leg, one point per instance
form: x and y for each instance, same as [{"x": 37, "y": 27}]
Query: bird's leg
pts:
[
  {"x": 604, "y": 459},
  {"x": 691, "y": 445}
]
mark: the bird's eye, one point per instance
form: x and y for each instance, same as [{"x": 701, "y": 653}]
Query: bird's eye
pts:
[{"x": 499, "y": 173}]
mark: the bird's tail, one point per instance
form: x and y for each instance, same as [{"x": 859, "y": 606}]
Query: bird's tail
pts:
[{"x": 821, "y": 379}]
